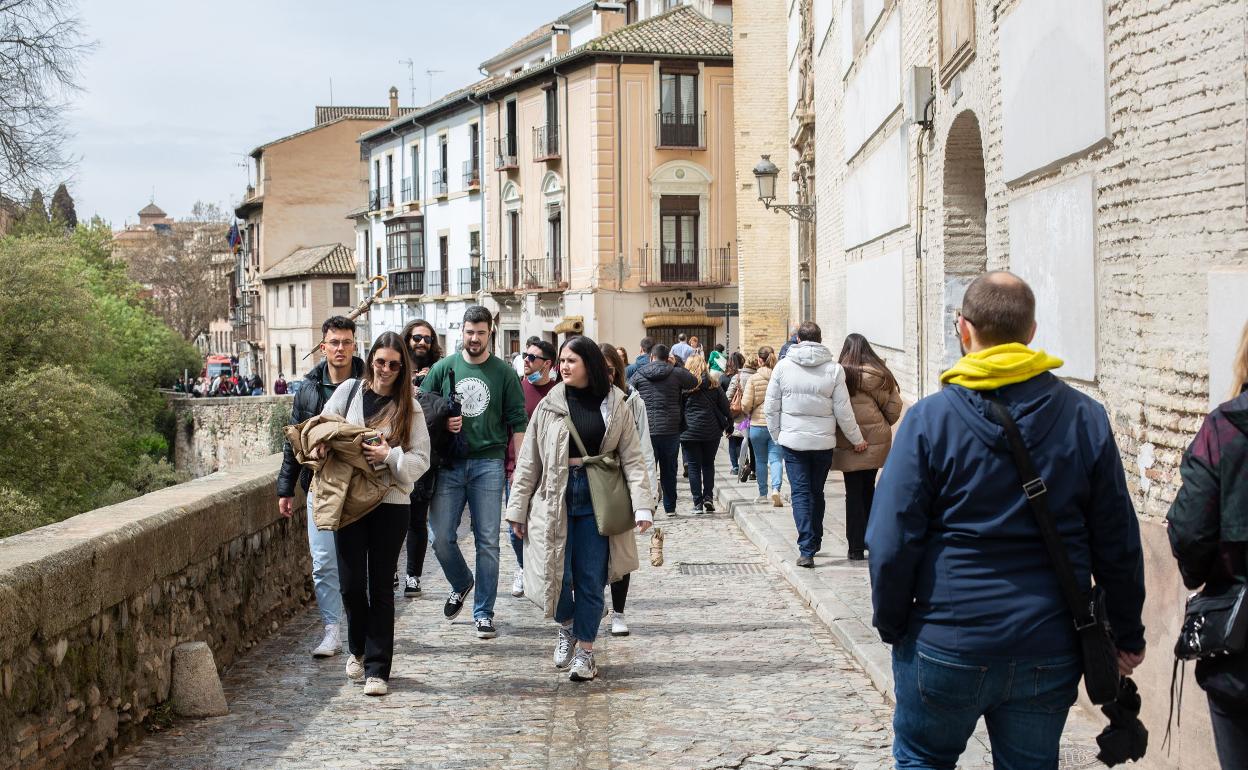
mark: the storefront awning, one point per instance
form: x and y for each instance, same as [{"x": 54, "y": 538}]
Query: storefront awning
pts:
[
  {"x": 573, "y": 324},
  {"x": 652, "y": 320}
]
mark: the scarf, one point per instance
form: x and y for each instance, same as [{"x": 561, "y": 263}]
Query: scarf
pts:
[{"x": 999, "y": 366}]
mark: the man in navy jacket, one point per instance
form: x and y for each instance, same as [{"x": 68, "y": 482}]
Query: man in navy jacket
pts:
[{"x": 962, "y": 586}]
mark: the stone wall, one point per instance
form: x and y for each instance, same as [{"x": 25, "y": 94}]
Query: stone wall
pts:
[
  {"x": 92, "y": 607},
  {"x": 218, "y": 433}
]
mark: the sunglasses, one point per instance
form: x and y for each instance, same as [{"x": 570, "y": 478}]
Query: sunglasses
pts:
[
  {"x": 393, "y": 366},
  {"x": 427, "y": 338},
  {"x": 531, "y": 358}
]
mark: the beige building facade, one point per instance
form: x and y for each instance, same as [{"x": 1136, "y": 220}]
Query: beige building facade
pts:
[
  {"x": 300, "y": 292},
  {"x": 610, "y": 202}
]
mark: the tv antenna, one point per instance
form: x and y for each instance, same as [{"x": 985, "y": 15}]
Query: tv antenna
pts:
[
  {"x": 411, "y": 77},
  {"x": 430, "y": 74}
]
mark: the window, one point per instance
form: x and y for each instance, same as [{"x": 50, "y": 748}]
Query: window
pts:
[
  {"x": 670, "y": 4},
  {"x": 511, "y": 128},
  {"x": 630, "y": 11},
  {"x": 474, "y": 136},
  {"x": 294, "y": 362},
  {"x": 303, "y": 292},
  {"x": 554, "y": 224},
  {"x": 444, "y": 267},
  {"x": 290, "y": 295},
  {"x": 377, "y": 174},
  {"x": 378, "y": 261},
  {"x": 390, "y": 179},
  {"x": 416, "y": 172},
  {"x": 342, "y": 294},
  {"x": 678, "y": 113},
  {"x": 679, "y": 222},
  {"x": 513, "y": 242},
  {"x": 405, "y": 244}
]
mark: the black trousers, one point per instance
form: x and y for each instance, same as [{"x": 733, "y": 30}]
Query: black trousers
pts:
[
  {"x": 1230, "y": 730},
  {"x": 619, "y": 594},
  {"x": 859, "y": 492},
  {"x": 700, "y": 455},
  {"x": 418, "y": 536},
  {"x": 368, "y": 553}
]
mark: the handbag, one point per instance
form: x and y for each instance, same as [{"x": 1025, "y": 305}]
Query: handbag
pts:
[
  {"x": 608, "y": 490},
  {"x": 1214, "y": 624},
  {"x": 1096, "y": 639}
]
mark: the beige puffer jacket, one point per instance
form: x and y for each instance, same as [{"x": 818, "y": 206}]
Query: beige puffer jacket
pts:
[
  {"x": 876, "y": 410},
  {"x": 755, "y": 395},
  {"x": 539, "y": 485}
]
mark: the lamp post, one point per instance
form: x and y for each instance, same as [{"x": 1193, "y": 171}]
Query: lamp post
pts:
[{"x": 766, "y": 172}]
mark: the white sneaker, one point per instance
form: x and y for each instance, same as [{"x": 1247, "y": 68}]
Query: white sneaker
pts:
[
  {"x": 517, "y": 583},
  {"x": 583, "y": 668},
  {"x": 355, "y": 669},
  {"x": 618, "y": 626},
  {"x": 331, "y": 643},
  {"x": 376, "y": 686},
  {"x": 776, "y": 499},
  {"x": 564, "y": 647}
]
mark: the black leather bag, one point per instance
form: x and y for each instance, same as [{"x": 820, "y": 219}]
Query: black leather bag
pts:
[
  {"x": 1096, "y": 639},
  {"x": 1214, "y": 624}
]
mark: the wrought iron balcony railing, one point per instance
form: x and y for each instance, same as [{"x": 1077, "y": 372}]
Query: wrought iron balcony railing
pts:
[
  {"x": 666, "y": 266},
  {"x": 439, "y": 182},
  {"x": 407, "y": 284},
  {"x": 505, "y": 152},
  {"x": 545, "y": 142},
  {"x": 469, "y": 280},
  {"x": 686, "y": 130},
  {"x": 472, "y": 175}
]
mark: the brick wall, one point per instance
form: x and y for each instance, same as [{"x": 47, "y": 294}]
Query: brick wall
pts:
[{"x": 218, "y": 433}]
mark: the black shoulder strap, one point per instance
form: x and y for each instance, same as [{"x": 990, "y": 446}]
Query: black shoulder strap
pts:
[{"x": 1037, "y": 499}]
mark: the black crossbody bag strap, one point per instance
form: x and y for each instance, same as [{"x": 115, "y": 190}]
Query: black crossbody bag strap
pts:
[{"x": 1037, "y": 500}]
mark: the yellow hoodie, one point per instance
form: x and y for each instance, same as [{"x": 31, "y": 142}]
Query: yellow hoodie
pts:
[{"x": 999, "y": 366}]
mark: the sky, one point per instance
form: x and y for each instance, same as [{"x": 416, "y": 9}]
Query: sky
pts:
[{"x": 177, "y": 94}]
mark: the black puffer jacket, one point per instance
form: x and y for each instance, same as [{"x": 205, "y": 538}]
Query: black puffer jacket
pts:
[
  {"x": 661, "y": 386},
  {"x": 308, "y": 403},
  {"x": 436, "y": 415},
  {"x": 706, "y": 413}
]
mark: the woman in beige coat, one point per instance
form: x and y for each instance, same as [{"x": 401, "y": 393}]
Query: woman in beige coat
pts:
[
  {"x": 768, "y": 463},
  {"x": 877, "y": 407},
  {"x": 567, "y": 563}
]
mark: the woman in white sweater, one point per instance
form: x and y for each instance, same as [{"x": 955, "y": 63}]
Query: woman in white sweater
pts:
[{"x": 368, "y": 549}]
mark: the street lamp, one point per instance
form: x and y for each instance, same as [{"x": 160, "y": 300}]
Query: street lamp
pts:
[{"x": 766, "y": 172}]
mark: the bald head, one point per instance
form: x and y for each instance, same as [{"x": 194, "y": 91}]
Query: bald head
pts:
[{"x": 1001, "y": 307}]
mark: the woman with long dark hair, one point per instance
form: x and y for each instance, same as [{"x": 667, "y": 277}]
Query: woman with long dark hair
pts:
[
  {"x": 876, "y": 400},
  {"x": 616, "y": 368},
  {"x": 706, "y": 420},
  {"x": 567, "y": 562},
  {"x": 422, "y": 345},
  {"x": 368, "y": 549},
  {"x": 735, "y": 376}
]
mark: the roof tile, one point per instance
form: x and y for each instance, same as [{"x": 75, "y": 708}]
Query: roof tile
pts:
[{"x": 329, "y": 259}]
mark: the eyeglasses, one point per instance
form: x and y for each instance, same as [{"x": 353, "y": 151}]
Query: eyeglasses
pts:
[
  {"x": 338, "y": 343},
  {"x": 428, "y": 338},
  {"x": 384, "y": 365},
  {"x": 958, "y": 316},
  {"x": 531, "y": 358}
]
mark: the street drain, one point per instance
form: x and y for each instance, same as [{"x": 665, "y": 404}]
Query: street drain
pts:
[
  {"x": 1072, "y": 757},
  {"x": 738, "y": 568}
]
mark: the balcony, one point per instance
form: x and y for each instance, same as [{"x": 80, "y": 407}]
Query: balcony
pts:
[
  {"x": 472, "y": 175},
  {"x": 545, "y": 143},
  {"x": 374, "y": 200},
  {"x": 686, "y": 267},
  {"x": 409, "y": 192},
  {"x": 433, "y": 284},
  {"x": 502, "y": 275},
  {"x": 469, "y": 280},
  {"x": 407, "y": 284},
  {"x": 439, "y": 182},
  {"x": 544, "y": 274},
  {"x": 505, "y": 154},
  {"x": 680, "y": 130}
]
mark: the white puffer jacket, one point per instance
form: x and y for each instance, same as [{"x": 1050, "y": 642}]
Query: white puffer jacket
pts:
[{"x": 807, "y": 399}]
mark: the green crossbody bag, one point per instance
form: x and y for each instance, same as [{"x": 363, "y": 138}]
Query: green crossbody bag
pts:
[{"x": 608, "y": 489}]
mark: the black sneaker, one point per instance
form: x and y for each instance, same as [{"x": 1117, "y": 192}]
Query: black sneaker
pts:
[
  {"x": 455, "y": 602},
  {"x": 485, "y": 628},
  {"x": 857, "y": 556},
  {"x": 709, "y": 506},
  {"x": 411, "y": 586}
]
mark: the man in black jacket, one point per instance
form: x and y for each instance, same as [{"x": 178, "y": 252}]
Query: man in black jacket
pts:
[
  {"x": 661, "y": 387},
  {"x": 341, "y": 363}
]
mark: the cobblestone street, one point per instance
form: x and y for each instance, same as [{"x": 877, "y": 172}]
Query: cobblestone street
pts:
[{"x": 725, "y": 668}]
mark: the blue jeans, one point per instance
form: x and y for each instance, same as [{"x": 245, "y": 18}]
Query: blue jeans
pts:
[
  {"x": 808, "y": 472},
  {"x": 479, "y": 483},
  {"x": 584, "y": 563},
  {"x": 768, "y": 464},
  {"x": 665, "y": 448},
  {"x": 941, "y": 696},
  {"x": 734, "y": 452},
  {"x": 324, "y": 571}
]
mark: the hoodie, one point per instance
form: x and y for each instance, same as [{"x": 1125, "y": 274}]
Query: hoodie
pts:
[
  {"x": 807, "y": 399},
  {"x": 661, "y": 387},
  {"x": 957, "y": 560}
]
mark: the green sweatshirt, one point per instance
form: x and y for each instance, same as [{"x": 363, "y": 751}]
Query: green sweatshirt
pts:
[{"x": 491, "y": 398}]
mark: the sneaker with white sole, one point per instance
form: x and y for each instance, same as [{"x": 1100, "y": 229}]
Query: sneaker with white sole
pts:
[
  {"x": 618, "y": 626},
  {"x": 564, "y": 647},
  {"x": 355, "y": 669},
  {"x": 455, "y": 601},
  {"x": 583, "y": 668},
  {"x": 517, "y": 583},
  {"x": 776, "y": 500},
  {"x": 485, "y": 628},
  {"x": 331, "y": 643},
  {"x": 411, "y": 586},
  {"x": 376, "y": 686}
]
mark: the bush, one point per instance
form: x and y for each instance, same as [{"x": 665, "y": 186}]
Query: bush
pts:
[{"x": 18, "y": 513}]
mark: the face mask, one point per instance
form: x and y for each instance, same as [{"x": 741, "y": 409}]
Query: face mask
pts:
[{"x": 535, "y": 377}]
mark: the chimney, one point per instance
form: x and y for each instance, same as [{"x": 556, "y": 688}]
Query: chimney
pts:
[
  {"x": 608, "y": 17},
  {"x": 394, "y": 102},
  {"x": 560, "y": 39}
]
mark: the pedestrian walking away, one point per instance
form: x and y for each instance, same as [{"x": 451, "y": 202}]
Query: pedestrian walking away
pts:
[
  {"x": 421, "y": 342},
  {"x": 735, "y": 375},
  {"x": 539, "y": 367},
  {"x": 642, "y": 359},
  {"x": 706, "y": 420},
  {"x": 682, "y": 349},
  {"x": 876, "y": 399},
  {"x": 568, "y": 562},
  {"x": 962, "y": 583},
  {"x": 768, "y": 459},
  {"x": 1208, "y": 528},
  {"x": 637, "y": 408},
  {"x": 319, "y": 384},
  {"x": 661, "y": 387},
  {"x": 806, "y": 401},
  {"x": 492, "y": 402},
  {"x": 368, "y": 548}
]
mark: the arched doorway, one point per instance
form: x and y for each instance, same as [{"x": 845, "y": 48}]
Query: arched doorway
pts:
[{"x": 964, "y": 228}]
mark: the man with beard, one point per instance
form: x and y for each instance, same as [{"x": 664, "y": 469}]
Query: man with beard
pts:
[
  {"x": 490, "y": 399},
  {"x": 422, "y": 343}
]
